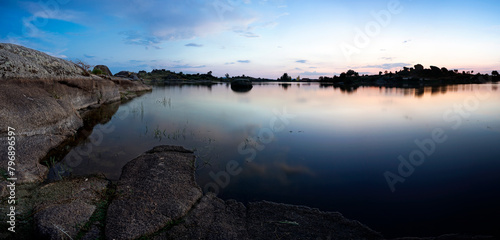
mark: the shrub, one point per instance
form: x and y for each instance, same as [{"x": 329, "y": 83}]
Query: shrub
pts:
[{"x": 97, "y": 72}]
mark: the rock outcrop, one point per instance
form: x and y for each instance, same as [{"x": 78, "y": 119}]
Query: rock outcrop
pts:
[
  {"x": 154, "y": 189},
  {"x": 104, "y": 69},
  {"x": 67, "y": 206},
  {"x": 40, "y": 97},
  {"x": 130, "y": 75},
  {"x": 18, "y": 62}
]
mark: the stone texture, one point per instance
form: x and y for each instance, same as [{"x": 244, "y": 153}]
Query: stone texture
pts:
[
  {"x": 267, "y": 220},
  {"x": 63, "y": 220},
  {"x": 21, "y": 62},
  {"x": 213, "y": 218},
  {"x": 154, "y": 189},
  {"x": 64, "y": 207}
]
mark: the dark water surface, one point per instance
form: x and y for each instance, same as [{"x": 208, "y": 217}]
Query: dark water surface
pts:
[{"x": 326, "y": 148}]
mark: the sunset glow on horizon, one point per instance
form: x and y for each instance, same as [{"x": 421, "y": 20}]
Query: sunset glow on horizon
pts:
[{"x": 261, "y": 38}]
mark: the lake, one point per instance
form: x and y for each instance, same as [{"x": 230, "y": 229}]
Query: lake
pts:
[{"x": 405, "y": 162}]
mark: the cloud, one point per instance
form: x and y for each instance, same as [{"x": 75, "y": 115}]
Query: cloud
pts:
[
  {"x": 178, "y": 20},
  {"x": 387, "y": 58},
  {"x": 244, "y": 61},
  {"x": 387, "y": 65},
  {"x": 88, "y": 56},
  {"x": 301, "y": 61},
  {"x": 193, "y": 45},
  {"x": 57, "y": 54},
  {"x": 306, "y": 73},
  {"x": 188, "y": 66},
  {"x": 47, "y": 11},
  {"x": 136, "y": 61},
  {"x": 245, "y": 32},
  {"x": 229, "y": 63},
  {"x": 136, "y": 38},
  {"x": 407, "y": 41}
]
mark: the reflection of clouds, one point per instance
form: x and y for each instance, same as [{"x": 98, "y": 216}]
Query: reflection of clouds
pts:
[
  {"x": 301, "y": 100},
  {"x": 291, "y": 170},
  {"x": 244, "y": 100},
  {"x": 280, "y": 171}
]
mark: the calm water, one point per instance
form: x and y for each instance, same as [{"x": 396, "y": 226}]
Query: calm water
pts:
[{"x": 326, "y": 148}]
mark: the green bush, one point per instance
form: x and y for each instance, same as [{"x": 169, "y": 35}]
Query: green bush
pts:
[{"x": 97, "y": 72}]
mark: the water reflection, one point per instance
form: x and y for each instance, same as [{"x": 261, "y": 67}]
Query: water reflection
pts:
[{"x": 332, "y": 155}]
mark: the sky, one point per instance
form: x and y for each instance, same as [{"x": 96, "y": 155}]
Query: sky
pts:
[{"x": 260, "y": 38}]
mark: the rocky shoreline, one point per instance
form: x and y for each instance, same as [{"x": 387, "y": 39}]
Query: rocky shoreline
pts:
[{"x": 41, "y": 97}]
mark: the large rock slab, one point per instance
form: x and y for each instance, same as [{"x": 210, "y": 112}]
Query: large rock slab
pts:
[
  {"x": 213, "y": 218},
  {"x": 104, "y": 69},
  {"x": 64, "y": 207},
  {"x": 154, "y": 189},
  {"x": 268, "y": 220},
  {"x": 22, "y": 63}
]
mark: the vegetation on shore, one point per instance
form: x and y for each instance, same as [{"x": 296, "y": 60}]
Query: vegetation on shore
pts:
[{"x": 416, "y": 74}]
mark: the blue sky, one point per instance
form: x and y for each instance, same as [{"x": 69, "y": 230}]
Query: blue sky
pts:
[{"x": 261, "y": 38}]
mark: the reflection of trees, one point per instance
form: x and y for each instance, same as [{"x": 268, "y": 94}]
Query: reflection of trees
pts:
[
  {"x": 344, "y": 88},
  {"x": 285, "y": 85},
  {"x": 419, "y": 92}
]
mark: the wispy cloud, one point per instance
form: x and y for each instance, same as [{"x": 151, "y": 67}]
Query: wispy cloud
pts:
[
  {"x": 188, "y": 66},
  {"x": 88, "y": 56},
  {"x": 136, "y": 38},
  {"x": 301, "y": 61},
  {"x": 193, "y": 45},
  {"x": 244, "y": 61},
  {"x": 387, "y": 65},
  {"x": 306, "y": 73}
]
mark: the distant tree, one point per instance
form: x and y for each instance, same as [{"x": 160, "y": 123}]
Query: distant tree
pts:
[
  {"x": 342, "y": 75},
  {"x": 285, "y": 77},
  {"x": 494, "y": 73},
  {"x": 419, "y": 67},
  {"x": 386, "y": 72},
  {"x": 352, "y": 73},
  {"x": 380, "y": 73},
  {"x": 227, "y": 75},
  {"x": 298, "y": 78},
  {"x": 209, "y": 73}
]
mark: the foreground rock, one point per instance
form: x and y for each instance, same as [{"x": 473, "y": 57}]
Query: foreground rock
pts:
[
  {"x": 40, "y": 97},
  {"x": 213, "y": 218},
  {"x": 67, "y": 206},
  {"x": 58, "y": 210},
  {"x": 154, "y": 189}
]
